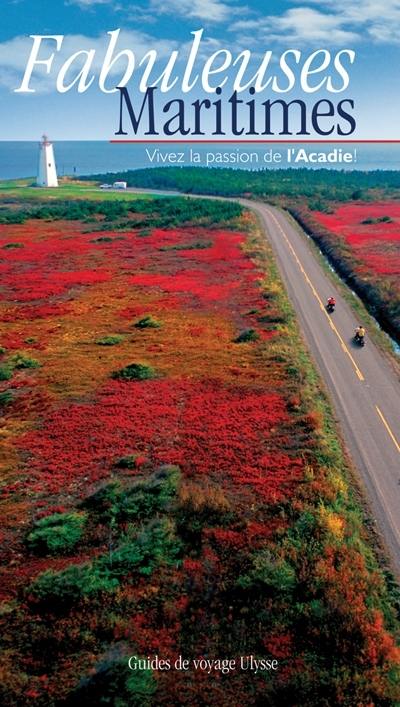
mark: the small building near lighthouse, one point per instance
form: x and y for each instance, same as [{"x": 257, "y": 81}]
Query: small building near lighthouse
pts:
[{"x": 47, "y": 173}]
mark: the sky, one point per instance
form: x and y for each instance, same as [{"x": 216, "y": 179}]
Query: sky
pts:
[{"x": 166, "y": 25}]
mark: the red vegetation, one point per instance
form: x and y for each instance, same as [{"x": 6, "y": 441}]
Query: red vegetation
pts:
[
  {"x": 362, "y": 240},
  {"x": 375, "y": 244},
  {"x": 229, "y": 415},
  {"x": 204, "y": 428}
]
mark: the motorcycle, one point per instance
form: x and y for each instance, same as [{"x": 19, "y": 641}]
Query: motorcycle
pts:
[
  {"x": 359, "y": 340},
  {"x": 330, "y": 307}
]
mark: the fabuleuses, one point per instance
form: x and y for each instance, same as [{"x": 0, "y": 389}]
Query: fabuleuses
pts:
[{"x": 184, "y": 68}]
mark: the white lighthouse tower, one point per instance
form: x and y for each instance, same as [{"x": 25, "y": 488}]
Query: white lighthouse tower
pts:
[{"x": 47, "y": 173}]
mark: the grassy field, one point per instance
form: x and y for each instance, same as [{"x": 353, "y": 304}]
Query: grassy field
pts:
[
  {"x": 172, "y": 478},
  {"x": 22, "y": 190}
]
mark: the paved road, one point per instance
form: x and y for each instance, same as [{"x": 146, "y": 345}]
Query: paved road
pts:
[{"x": 364, "y": 387}]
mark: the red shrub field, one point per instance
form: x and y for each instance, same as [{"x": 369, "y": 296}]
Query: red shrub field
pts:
[
  {"x": 363, "y": 239},
  {"x": 171, "y": 481},
  {"x": 373, "y": 233}
]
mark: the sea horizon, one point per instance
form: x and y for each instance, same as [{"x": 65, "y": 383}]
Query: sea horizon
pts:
[{"x": 18, "y": 158}]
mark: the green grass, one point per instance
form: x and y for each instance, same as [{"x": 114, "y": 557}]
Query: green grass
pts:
[
  {"x": 20, "y": 189},
  {"x": 112, "y": 340}
]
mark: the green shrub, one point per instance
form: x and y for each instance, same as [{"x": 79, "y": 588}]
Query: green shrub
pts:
[
  {"x": 71, "y": 584},
  {"x": 160, "y": 543},
  {"x": 5, "y": 373},
  {"x": 13, "y": 245},
  {"x": 272, "y": 318},
  {"x": 304, "y": 527},
  {"x": 199, "y": 245},
  {"x": 135, "y": 371},
  {"x": 304, "y": 536},
  {"x": 148, "y": 497},
  {"x": 294, "y": 372},
  {"x": 379, "y": 219},
  {"x": 21, "y": 361},
  {"x": 2, "y": 350},
  {"x": 6, "y": 397},
  {"x": 142, "y": 500},
  {"x": 247, "y": 335},
  {"x": 156, "y": 544},
  {"x": 128, "y": 462},
  {"x": 320, "y": 205},
  {"x": 110, "y": 340},
  {"x": 112, "y": 683},
  {"x": 140, "y": 687},
  {"x": 57, "y": 533},
  {"x": 267, "y": 571},
  {"x": 104, "y": 501},
  {"x": 147, "y": 323}
]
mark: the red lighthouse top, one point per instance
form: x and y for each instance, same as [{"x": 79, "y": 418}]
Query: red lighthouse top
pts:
[{"x": 45, "y": 140}]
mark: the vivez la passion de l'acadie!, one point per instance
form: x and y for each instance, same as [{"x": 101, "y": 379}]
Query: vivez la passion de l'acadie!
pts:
[{"x": 233, "y": 87}]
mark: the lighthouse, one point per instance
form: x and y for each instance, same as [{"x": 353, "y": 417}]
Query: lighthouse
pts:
[{"x": 47, "y": 173}]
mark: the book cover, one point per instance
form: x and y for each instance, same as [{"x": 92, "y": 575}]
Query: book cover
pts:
[{"x": 199, "y": 353}]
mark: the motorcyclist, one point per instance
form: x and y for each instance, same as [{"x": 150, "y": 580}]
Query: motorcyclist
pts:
[
  {"x": 360, "y": 332},
  {"x": 331, "y": 302}
]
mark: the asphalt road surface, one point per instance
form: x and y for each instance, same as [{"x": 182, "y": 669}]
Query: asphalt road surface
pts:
[{"x": 364, "y": 387}]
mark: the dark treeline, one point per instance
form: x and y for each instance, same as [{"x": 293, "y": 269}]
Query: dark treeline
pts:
[
  {"x": 314, "y": 184},
  {"x": 161, "y": 212}
]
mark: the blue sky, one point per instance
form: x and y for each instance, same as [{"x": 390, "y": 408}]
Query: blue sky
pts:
[{"x": 370, "y": 27}]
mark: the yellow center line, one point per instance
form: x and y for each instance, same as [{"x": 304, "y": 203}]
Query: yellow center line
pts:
[
  {"x": 391, "y": 435},
  {"x": 318, "y": 298}
]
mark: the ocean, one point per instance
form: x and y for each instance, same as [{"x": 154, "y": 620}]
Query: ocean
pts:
[{"x": 19, "y": 159}]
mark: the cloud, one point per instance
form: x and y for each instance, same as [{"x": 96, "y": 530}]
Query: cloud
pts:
[
  {"x": 363, "y": 11},
  {"x": 206, "y": 10},
  {"x": 380, "y": 21},
  {"x": 302, "y": 25},
  {"x": 332, "y": 22},
  {"x": 137, "y": 13},
  {"x": 89, "y": 3}
]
